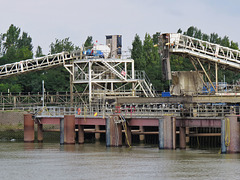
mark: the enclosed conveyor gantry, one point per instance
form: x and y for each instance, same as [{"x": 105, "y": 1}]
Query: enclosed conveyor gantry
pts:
[{"x": 198, "y": 51}]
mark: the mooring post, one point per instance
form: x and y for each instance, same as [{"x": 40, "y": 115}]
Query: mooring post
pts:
[
  {"x": 234, "y": 145},
  {"x": 69, "y": 129},
  {"x": 223, "y": 146},
  {"x": 161, "y": 133},
  {"x": 61, "y": 131},
  {"x": 182, "y": 137},
  {"x": 80, "y": 134},
  {"x": 28, "y": 128},
  {"x": 40, "y": 133}
]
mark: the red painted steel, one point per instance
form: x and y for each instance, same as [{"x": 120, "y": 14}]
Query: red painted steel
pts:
[
  {"x": 216, "y": 123},
  {"x": 143, "y": 122},
  {"x": 90, "y": 121},
  {"x": 50, "y": 120},
  {"x": 28, "y": 128}
]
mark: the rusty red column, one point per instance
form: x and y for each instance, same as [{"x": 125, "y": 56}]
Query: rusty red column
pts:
[
  {"x": 69, "y": 129},
  {"x": 113, "y": 131},
  {"x": 234, "y": 146},
  {"x": 28, "y": 128}
]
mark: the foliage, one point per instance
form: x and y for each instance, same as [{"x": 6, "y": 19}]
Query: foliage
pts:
[{"x": 89, "y": 42}]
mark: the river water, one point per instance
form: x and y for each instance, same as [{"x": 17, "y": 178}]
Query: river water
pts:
[{"x": 95, "y": 161}]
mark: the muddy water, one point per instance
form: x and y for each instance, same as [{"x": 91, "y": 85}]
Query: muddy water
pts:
[{"x": 95, "y": 161}]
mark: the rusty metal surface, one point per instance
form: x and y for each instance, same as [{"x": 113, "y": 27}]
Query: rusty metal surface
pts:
[{"x": 28, "y": 128}]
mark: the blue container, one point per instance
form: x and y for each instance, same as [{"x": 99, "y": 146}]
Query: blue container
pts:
[{"x": 166, "y": 94}]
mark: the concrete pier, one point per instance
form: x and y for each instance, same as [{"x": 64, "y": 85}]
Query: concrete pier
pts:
[
  {"x": 69, "y": 129},
  {"x": 28, "y": 128},
  {"x": 223, "y": 134},
  {"x": 167, "y": 133},
  {"x": 234, "y": 145}
]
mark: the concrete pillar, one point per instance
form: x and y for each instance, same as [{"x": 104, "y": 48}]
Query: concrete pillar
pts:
[
  {"x": 28, "y": 128},
  {"x": 182, "y": 137},
  {"x": 223, "y": 146},
  {"x": 234, "y": 146},
  {"x": 61, "y": 131},
  {"x": 167, "y": 132},
  {"x": 97, "y": 135},
  {"x": 80, "y": 134},
  {"x": 113, "y": 131},
  {"x": 161, "y": 133},
  {"x": 40, "y": 133},
  {"x": 69, "y": 129},
  {"x": 128, "y": 136},
  {"x": 141, "y": 136}
]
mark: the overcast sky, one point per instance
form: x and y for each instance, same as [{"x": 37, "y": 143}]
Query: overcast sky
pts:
[{"x": 46, "y": 20}]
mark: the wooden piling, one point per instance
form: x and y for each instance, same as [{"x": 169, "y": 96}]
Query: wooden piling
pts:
[
  {"x": 80, "y": 134},
  {"x": 40, "y": 133}
]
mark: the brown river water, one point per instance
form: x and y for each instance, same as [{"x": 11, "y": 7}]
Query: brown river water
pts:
[{"x": 95, "y": 161}]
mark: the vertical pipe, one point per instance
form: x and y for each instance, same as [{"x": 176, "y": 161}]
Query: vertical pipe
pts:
[
  {"x": 40, "y": 133},
  {"x": 216, "y": 69},
  {"x": 223, "y": 146},
  {"x": 182, "y": 137},
  {"x": 69, "y": 129},
  {"x": 161, "y": 133},
  {"x": 28, "y": 128},
  {"x": 90, "y": 82},
  {"x": 61, "y": 131},
  {"x": 108, "y": 131},
  {"x": 174, "y": 132},
  {"x": 80, "y": 134}
]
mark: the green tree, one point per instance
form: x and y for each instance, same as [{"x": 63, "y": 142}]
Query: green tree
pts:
[
  {"x": 89, "y": 42},
  {"x": 61, "y": 45},
  {"x": 39, "y": 52},
  {"x": 137, "y": 53}
]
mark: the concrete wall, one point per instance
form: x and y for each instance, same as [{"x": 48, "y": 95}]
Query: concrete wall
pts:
[{"x": 11, "y": 117}]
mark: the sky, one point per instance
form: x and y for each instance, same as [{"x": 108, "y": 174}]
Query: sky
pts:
[{"x": 47, "y": 20}]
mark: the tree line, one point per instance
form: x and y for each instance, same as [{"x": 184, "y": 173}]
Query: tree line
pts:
[{"x": 16, "y": 45}]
